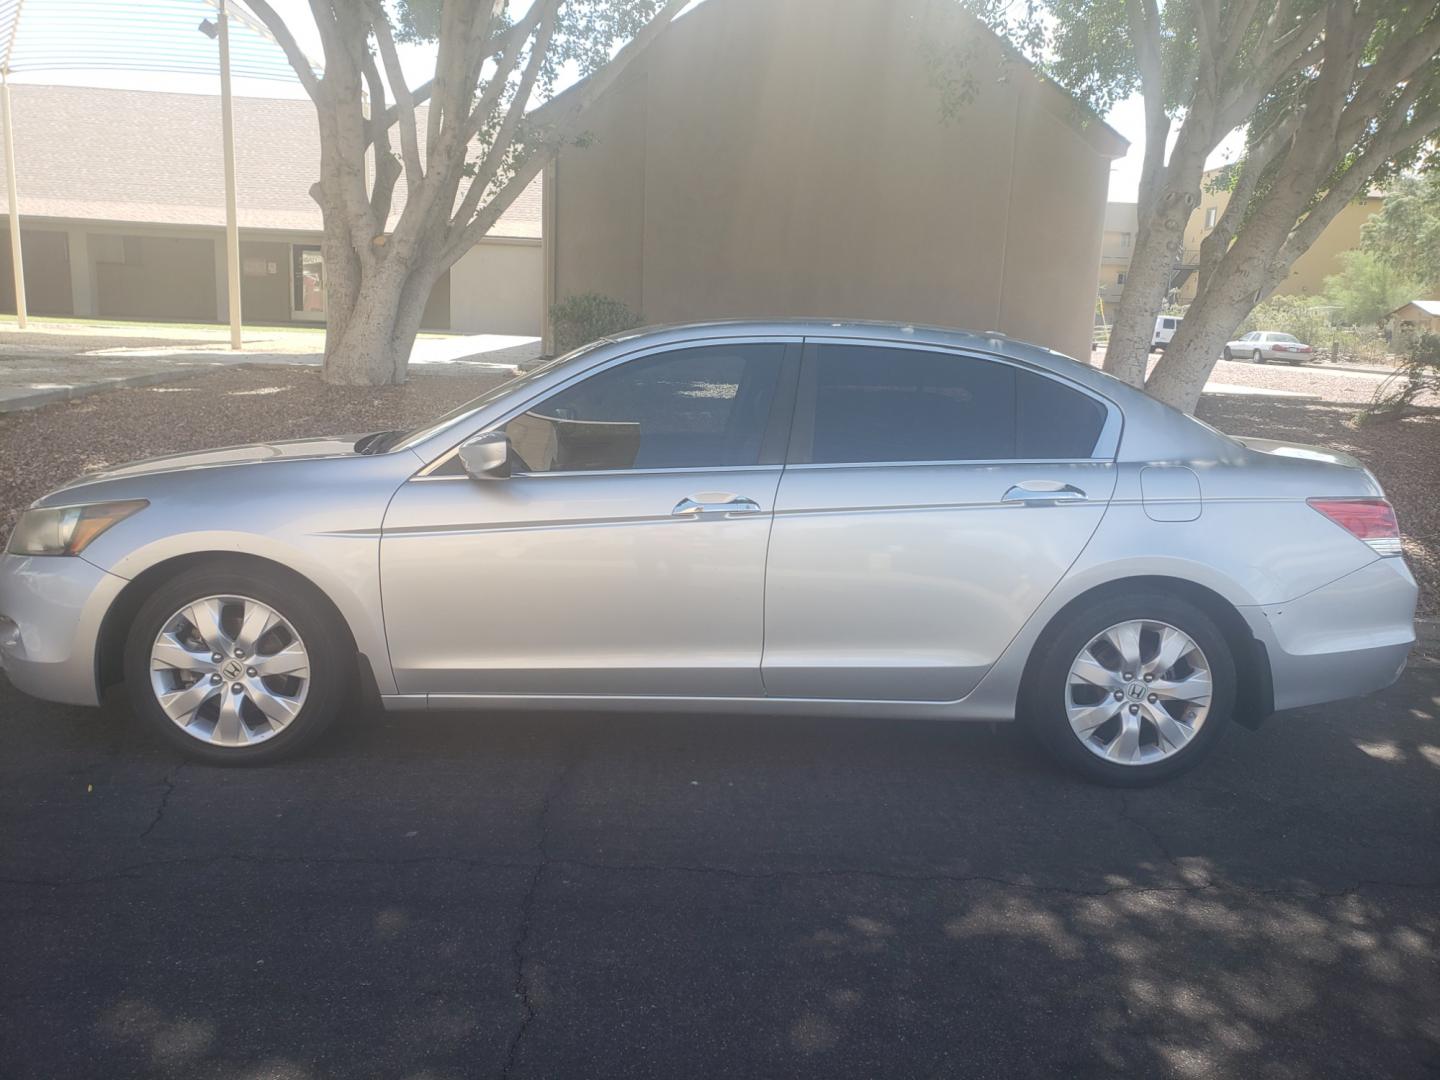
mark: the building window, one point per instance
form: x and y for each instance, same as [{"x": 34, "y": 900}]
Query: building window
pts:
[
  {"x": 1125, "y": 240},
  {"x": 1210, "y": 213},
  {"x": 308, "y": 279},
  {"x": 1120, "y": 278}
]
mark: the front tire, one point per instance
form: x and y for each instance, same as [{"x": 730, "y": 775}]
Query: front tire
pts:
[
  {"x": 1257, "y": 357},
  {"x": 236, "y": 666},
  {"x": 1132, "y": 690}
]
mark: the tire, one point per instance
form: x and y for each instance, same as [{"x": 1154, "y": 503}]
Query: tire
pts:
[
  {"x": 1228, "y": 354},
  {"x": 1051, "y": 694},
  {"x": 1256, "y": 357},
  {"x": 272, "y": 716}
]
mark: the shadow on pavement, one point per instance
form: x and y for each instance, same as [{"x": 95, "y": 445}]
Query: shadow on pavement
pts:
[{"x": 557, "y": 895}]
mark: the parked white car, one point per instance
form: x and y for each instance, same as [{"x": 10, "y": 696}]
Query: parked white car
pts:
[
  {"x": 1263, "y": 345},
  {"x": 1165, "y": 327}
]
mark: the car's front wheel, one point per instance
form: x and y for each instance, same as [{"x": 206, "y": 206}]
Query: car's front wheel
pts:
[
  {"x": 1132, "y": 690},
  {"x": 235, "y": 666},
  {"x": 1257, "y": 356}
]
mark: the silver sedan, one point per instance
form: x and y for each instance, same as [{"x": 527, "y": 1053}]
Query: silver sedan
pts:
[
  {"x": 1262, "y": 346},
  {"x": 784, "y": 517}
]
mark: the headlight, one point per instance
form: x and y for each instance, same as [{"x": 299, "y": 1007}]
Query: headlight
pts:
[{"x": 67, "y": 530}]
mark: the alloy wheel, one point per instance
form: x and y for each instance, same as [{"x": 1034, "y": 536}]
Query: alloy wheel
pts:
[
  {"x": 1138, "y": 693},
  {"x": 229, "y": 670}
]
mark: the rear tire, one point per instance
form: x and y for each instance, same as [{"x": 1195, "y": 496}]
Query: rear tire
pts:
[
  {"x": 199, "y": 688},
  {"x": 1228, "y": 354},
  {"x": 1137, "y": 744}
]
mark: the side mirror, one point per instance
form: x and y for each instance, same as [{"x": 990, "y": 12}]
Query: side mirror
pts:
[{"x": 487, "y": 456}]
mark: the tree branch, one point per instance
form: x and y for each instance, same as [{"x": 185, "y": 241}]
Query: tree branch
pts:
[
  {"x": 409, "y": 137},
  {"x": 558, "y": 119},
  {"x": 1144, "y": 17},
  {"x": 281, "y": 33}
]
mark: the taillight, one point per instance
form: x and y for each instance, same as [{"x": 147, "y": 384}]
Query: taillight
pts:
[{"x": 1370, "y": 520}]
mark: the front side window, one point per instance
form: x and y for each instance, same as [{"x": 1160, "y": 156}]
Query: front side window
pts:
[
  {"x": 877, "y": 404},
  {"x": 691, "y": 408}
]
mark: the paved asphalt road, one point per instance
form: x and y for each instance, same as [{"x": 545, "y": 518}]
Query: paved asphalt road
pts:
[{"x": 590, "y": 896}]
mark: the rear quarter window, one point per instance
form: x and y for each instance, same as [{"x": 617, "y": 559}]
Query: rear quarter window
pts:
[{"x": 1054, "y": 421}]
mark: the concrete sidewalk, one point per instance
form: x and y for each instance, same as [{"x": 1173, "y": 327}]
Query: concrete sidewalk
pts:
[{"x": 58, "y": 361}]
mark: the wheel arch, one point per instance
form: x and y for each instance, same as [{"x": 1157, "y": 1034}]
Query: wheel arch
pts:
[
  {"x": 1254, "y": 695},
  {"x": 110, "y": 642}
]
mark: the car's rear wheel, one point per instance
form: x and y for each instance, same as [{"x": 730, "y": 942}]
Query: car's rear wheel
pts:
[
  {"x": 236, "y": 666},
  {"x": 1228, "y": 354},
  {"x": 1132, "y": 690}
]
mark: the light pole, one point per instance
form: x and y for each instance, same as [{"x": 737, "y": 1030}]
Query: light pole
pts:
[
  {"x": 220, "y": 30},
  {"x": 16, "y": 256}
]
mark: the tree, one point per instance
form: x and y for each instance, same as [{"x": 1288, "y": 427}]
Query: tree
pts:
[
  {"x": 463, "y": 160},
  {"x": 1331, "y": 93},
  {"x": 1405, "y": 234},
  {"x": 1368, "y": 288},
  {"x": 1365, "y": 104}
]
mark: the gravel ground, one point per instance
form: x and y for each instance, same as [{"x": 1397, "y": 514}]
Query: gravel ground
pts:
[{"x": 45, "y": 447}]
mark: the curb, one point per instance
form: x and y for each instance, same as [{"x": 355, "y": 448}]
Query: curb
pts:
[
  {"x": 56, "y": 394},
  {"x": 38, "y": 399}
]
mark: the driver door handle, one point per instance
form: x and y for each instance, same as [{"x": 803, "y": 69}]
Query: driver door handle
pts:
[
  {"x": 1042, "y": 493},
  {"x": 714, "y": 505}
]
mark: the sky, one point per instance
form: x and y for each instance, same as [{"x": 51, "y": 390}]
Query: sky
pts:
[{"x": 1127, "y": 117}]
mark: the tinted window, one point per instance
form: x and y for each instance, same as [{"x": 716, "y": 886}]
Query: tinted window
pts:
[
  {"x": 690, "y": 408},
  {"x": 877, "y": 404}
]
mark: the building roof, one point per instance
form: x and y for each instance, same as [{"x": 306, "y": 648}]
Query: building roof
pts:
[
  {"x": 1430, "y": 307},
  {"x": 147, "y": 157}
]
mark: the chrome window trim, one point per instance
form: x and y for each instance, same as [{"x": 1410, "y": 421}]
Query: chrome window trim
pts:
[
  {"x": 644, "y": 352},
  {"x": 1107, "y": 443}
]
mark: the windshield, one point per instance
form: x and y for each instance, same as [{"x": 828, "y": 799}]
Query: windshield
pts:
[{"x": 458, "y": 415}]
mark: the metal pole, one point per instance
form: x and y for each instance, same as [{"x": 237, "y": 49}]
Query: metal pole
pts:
[
  {"x": 232, "y": 227},
  {"x": 15, "y": 254}
]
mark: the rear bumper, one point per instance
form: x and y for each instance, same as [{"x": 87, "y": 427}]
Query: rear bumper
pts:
[
  {"x": 1342, "y": 640},
  {"x": 51, "y": 609}
]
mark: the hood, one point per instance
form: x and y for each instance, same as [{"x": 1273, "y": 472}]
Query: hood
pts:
[
  {"x": 1300, "y": 450},
  {"x": 256, "y": 454}
]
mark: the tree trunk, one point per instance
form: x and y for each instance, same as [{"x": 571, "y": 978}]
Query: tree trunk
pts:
[
  {"x": 364, "y": 352},
  {"x": 1146, "y": 281}
]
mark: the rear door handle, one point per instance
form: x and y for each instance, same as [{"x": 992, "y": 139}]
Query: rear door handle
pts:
[
  {"x": 714, "y": 505},
  {"x": 1042, "y": 493}
]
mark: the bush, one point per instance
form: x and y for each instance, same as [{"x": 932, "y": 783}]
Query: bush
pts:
[
  {"x": 579, "y": 320},
  {"x": 1418, "y": 373},
  {"x": 1298, "y": 315}
]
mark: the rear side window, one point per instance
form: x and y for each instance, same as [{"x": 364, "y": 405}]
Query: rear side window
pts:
[{"x": 876, "y": 404}]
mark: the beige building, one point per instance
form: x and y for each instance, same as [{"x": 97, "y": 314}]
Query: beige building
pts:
[
  {"x": 1307, "y": 276},
  {"x": 122, "y": 215},
  {"x": 790, "y": 158},
  {"x": 1116, "y": 247},
  {"x": 1415, "y": 318}
]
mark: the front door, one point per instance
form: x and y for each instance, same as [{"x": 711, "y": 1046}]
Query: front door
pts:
[
  {"x": 625, "y": 555},
  {"x": 932, "y": 501}
]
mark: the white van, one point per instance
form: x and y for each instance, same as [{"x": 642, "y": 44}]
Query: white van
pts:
[{"x": 1165, "y": 327}]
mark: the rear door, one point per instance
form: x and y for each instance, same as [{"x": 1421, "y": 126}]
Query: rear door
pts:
[{"x": 931, "y": 500}]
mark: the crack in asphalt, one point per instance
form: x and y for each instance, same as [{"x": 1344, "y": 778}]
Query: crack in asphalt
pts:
[
  {"x": 1154, "y": 837},
  {"x": 168, "y": 782},
  {"x": 519, "y": 947}
]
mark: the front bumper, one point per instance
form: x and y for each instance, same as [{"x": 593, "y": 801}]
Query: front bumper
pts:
[
  {"x": 51, "y": 610},
  {"x": 1342, "y": 640}
]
